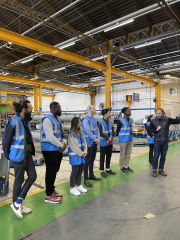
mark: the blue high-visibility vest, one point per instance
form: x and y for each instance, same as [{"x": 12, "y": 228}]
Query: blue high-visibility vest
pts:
[
  {"x": 18, "y": 142},
  {"x": 74, "y": 159},
  {"x": 93, "y": 128},
  {"x": 149, "y": 139},
  {"x": 105, "y": 129},
  {"x": 125, "y": 133},
  {"x": 45, "y": 144}
]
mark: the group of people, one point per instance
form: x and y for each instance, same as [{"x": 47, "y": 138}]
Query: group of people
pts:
[{"x": 82, "y": 147}]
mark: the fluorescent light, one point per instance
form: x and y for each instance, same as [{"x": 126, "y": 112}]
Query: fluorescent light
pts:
[
  {"x": 96, "y": 78},
  {"x": 147, "y": 43},
  {"x": 67, "y": 45},
  {"x": 97, "y": 58},
  {"x": 135, "y": 70},
  {"x": 169, "y": 70},
  {"x": 172, "y": 63},
  {"x": 27, "y": 60},
  {"x": 5, "y": 74},
  {"x": 59, "y": 69},
  {"x": 118, "y": 25}
]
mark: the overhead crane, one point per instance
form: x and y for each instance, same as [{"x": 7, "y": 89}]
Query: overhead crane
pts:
[{"x": 18, "y": 39}]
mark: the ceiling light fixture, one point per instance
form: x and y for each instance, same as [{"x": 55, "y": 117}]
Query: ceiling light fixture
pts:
[
  {"x": 118, "y": 25},
  {"x": 59, "y": 69},
  {"x": 97, "y": 58},
  {"x": 147, "y": 43},
  {"x": 67, "y": 45},
  {"x": 27, "y": 60}
]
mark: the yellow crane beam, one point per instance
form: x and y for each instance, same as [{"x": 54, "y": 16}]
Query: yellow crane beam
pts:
[
  {"x": 40, "y": 83},
  {"x": 117, "y": 81},
  {"x": 30, "y": 43},
  {"x": 23, "y": 93}
]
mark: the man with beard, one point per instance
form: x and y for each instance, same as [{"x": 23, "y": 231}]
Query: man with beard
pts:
[
  {"x": 18, "y": 147},
  {"x": 52, "y": 149}
]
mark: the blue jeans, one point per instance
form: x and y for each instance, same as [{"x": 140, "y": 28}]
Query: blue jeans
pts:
[
  {"x": 159, "y": 147},
  {"x": 20, "y": 191},
  {"x": 89, "y": 161}
]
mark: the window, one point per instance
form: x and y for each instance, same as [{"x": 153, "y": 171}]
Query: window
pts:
[{"x": 173, "y": 91}]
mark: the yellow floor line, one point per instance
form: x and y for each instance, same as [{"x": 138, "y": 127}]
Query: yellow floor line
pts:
[{"x": 57, "y": 184}]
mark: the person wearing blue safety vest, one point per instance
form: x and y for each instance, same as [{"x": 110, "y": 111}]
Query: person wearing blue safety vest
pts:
[
  {"x": 91, "y": 133},
  {"x": 160, "y": 127},
  {"x": 107, "y": 136},
  {"x": 77, "y": 149},
  {"x": 18, "y": 148},
  {"x": 124, "y": 132},
  {"x": 52, "y": 149},
  {"x": 150, "y": 138}
]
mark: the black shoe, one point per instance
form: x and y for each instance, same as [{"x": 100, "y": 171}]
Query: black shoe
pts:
[
  {"x": 123, "y": 170},
  {"x": 128, "y": 169},
  {"x": 162, "y": 173},
  {"x": 87, "y": 183},
  {"x": 110, "y": 172},
  {"x": 154, "y": 173},
  {"x": 103, "y": 174},
  {"x": 94, "y": 178}
]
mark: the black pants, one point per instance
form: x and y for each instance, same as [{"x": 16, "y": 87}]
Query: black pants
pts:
[
  {"x": 151, "y": 153},
  {"x": 53, "y": 161},
  {"x": 89, "y": 161},
  {"x": 76, "y": 175},
  {"x": 19, "y": 191},
  {"x": 105, "y": 151}
]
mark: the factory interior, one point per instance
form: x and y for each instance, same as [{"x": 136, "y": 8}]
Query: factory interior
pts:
[{"x": 107, "y": 54}]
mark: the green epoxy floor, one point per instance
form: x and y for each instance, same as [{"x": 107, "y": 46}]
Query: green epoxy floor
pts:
[{"x": 11, "y": 227}]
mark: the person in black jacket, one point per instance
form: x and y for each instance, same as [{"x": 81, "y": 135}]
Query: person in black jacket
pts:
[
  {"x": 18, "y": 147},
  {"x": 160, "y": 127}
]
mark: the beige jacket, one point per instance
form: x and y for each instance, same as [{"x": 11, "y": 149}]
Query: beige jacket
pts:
[{"x": 73, "y": 144}]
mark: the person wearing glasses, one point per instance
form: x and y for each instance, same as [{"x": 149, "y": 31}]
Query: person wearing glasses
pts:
[
  {"x": 18, "y": 148},
  {"x": 52, "y": 149},
  {"x": 124, "y": 132},
  {"x": 91, "y": 133}
]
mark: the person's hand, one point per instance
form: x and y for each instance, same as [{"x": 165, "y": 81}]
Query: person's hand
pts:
[
  {"x": 63, "y": 148},
  {"x": 110, "y": 139},
  {"x": 98, "y": 141},
  {"x": 114, "y": 138},
  {"x": 84, "y": 155},
  {"x": 158, "y": 128}
]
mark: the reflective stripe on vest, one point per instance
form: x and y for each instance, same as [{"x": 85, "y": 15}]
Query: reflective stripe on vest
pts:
[
  {"x": 125, "y": 133},
  {"x": 18, "y": 141},
  {"x": 93, "y": 128},
  {"x": 45, "y": 144},
  {"x": 105, "y": 130},
  {"x": 74, "y": 159}
]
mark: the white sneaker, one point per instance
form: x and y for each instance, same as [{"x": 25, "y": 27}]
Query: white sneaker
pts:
[
  {"x": 81, "y": 189},
  {"x": 75, "y": 192},
  {"x": 17, "y": 209},
  {"x": 26, "y": 209}
]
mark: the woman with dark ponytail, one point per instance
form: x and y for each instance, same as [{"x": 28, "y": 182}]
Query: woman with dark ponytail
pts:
[
  {"x": 77, "y": 149},
  {"x": 150, "y": 138}
]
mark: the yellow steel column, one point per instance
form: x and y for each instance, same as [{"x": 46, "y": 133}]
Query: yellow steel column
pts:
[
  {"x": 108, "y": 76},
  {"x": 53, "y": 96},
  {"x": 159, "y": 92},
  {"x": 92, "y": 98},
  {"x": 129, "y": 101},
  {"x": 40, "y": 98},
  {"x": 35, "y": 99}
]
